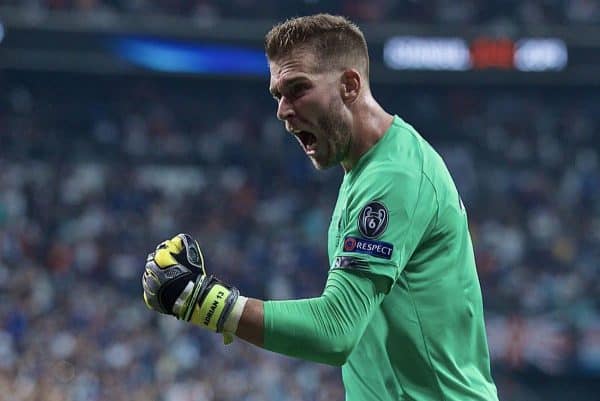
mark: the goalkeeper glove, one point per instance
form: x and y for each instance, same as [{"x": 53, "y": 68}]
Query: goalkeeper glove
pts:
[{"x": 175, "y": 282}]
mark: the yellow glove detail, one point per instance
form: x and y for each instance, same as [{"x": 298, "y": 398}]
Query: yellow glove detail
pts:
[
  {"x": 175, "y": 282},
  {"x": 210, "y": 310}
]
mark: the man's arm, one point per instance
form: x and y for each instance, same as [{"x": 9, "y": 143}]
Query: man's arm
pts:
[
  {"x": 251, "y": 325},
  {"x": 323, "y": 329}
]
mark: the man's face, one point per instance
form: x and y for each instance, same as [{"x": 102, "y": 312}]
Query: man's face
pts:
[{"x": 310, "y": 105}]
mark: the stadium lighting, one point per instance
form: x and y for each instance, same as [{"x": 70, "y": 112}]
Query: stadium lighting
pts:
[
  {"x": 189, "y": 57},
  {"x": 409, "y": 52},
  {"x": 482, "y": 53},
  {"x": 541, "y": 55}
]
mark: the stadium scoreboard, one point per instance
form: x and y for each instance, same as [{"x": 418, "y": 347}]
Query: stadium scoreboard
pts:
[
  {"x": 458, "y": 54},
  {"x": 553, "y": 56}
]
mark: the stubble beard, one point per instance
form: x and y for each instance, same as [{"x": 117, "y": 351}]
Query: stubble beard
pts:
[{"x": 338, "y": 136}]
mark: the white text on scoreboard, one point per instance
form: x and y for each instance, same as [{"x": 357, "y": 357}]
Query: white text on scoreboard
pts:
[{"x": 456, "y": 54}]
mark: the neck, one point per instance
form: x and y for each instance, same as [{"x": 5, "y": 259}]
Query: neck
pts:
[{"x": 369, "y": 123}]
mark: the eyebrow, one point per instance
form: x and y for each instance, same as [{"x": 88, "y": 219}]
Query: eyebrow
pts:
[{"x": 287, "y": 82}]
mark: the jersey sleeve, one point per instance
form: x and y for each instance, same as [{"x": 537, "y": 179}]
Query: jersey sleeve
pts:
[
  {"x": 324, "y": 329},
  {"x": 387, "y": 214}
]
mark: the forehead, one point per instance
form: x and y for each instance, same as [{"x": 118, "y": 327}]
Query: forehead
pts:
[{"x": 296, "y": 65}]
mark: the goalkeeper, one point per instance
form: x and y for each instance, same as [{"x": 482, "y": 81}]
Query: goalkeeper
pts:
[{"x": 402, "y": 310}]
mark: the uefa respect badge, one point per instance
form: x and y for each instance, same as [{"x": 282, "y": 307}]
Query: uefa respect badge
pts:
[{"x": 378, "y": 249}]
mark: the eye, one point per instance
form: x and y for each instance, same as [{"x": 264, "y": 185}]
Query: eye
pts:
[{"x": 298, "y": 90}]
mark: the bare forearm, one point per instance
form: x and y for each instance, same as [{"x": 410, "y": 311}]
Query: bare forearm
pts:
[{"x": 251, "y": 325}]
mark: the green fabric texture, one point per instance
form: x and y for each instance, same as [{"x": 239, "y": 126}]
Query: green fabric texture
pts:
[
  {"x": 324, "y": 329},
  {"x": 398, "y": 218}
]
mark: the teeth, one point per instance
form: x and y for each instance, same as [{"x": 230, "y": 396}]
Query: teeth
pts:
[{"x": 307, "y": 139}]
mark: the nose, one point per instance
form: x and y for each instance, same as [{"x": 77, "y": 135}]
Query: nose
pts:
[{"x": 284, "y": 109}]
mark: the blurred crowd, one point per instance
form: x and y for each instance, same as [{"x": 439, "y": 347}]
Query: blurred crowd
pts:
[
  {"x": 420, "y": 11},
  {"x": 95, "y": 171}
]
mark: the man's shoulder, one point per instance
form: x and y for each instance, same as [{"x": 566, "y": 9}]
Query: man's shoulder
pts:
[
  {"x": 388, "y": 170},
  {"x": 412, "y": 151},
  {"x": 399, "y": 159},
  {"x": 402, "y": 148},
  {"x": 386, "y": 179}
]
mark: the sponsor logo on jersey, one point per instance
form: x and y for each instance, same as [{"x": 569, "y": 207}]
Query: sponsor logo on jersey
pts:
[
  {"x": 378, "y": 249},
  {"x": 373, "y": 219}
]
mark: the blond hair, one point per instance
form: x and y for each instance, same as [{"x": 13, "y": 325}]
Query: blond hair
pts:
[{"x": 334, "y": 41}]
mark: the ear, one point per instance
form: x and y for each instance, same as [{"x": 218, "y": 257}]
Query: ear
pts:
[{"x": 351, "y": 85}]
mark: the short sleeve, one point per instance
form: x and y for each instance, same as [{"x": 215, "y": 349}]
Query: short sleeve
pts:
[{"x": 387, "y": 214}]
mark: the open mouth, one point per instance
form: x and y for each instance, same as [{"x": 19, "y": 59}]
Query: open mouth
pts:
[{"x": 308, "y": 140}]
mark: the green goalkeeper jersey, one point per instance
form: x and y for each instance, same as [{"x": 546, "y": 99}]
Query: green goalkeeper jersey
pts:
[
  {"x": 402, "y": 309},
  {"x": 399, "y": 215}
]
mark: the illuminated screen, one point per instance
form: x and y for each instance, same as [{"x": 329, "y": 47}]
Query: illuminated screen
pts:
[{"x": 456, "y": 54}]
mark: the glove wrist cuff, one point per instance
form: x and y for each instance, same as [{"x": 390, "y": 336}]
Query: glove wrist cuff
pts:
[
  {"x": 233, "y": 319},
  {"x": 209, "y": 303}
]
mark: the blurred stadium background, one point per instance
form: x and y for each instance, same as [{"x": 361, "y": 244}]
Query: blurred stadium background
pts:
[{"x": 123, "y": 122}]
